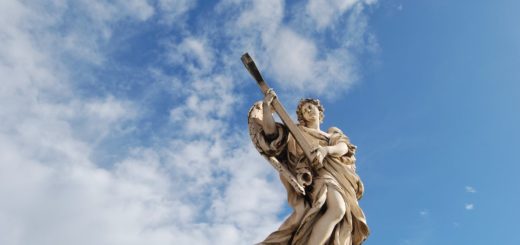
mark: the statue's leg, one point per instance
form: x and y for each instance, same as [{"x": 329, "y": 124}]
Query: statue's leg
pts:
[{"x": 336, "y": 208}]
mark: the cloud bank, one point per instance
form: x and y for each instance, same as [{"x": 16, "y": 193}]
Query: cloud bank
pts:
[{"x": 87, "y": 156}]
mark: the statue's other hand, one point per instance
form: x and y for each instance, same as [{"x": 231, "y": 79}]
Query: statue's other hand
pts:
[{"x": 319, "y": 153}]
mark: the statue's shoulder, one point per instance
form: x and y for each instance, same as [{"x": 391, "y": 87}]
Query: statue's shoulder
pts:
[
  {"x": 335, "y": 130},
  {"x": 337, "y": 134}
]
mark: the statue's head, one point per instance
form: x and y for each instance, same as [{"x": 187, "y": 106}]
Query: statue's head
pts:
[{"x": 308, "y": 109}]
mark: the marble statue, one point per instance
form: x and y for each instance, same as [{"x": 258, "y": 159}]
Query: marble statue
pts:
[{"x": 317, "y": 168}]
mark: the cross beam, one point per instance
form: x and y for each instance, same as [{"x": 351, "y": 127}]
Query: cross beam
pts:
[{"x": 278, "y": 107}]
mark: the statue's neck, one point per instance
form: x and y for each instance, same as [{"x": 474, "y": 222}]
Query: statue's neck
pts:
[{"x": 313, "y": 125}]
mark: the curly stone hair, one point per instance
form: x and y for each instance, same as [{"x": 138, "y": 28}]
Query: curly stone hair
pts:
[{"x": 316, "y": 102}]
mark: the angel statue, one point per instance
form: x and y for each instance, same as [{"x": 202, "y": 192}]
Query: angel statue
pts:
[
  {"x": 322, "y": 186},
  {"x": 317, "y": 169}
]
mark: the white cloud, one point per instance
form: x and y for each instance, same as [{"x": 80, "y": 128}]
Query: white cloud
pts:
[
  {"x": 293, "y": 59},
  {"x": 51, "y": 192},
  {"x": 469, "y": 206},
  {"x": 262, "y": 18},
  {"x": 139, "y": 8},
  {"x": 173, "y": 10},
  {"x": 297, "y": 62},
  {"x": 77, "y": 204},
  {"x": 325, "y": 12},
  {"x": 470, "y": 189},
  {"x": 207, "y": 104},
  {"x": 193, "y": 54}
]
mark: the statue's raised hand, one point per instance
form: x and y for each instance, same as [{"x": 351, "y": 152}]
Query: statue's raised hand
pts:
[
  {"x": 268, "y": 123},
  {"x": 269, "y": 96}
]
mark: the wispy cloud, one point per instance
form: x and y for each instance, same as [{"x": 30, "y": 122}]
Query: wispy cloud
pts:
[
  {"x": 325, "y": 12},
  {"x": 289, "y": 48},
  {"x": 470, "y": 189},
  {"x": 469, "y": 206},
  {"x": 174, "y": 11}
]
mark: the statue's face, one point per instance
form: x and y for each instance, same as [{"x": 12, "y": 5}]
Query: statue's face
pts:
[{"x": 310, "y": 112}]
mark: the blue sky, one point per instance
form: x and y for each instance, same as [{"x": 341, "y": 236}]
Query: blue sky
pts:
[{"x": 124, "y": 122}]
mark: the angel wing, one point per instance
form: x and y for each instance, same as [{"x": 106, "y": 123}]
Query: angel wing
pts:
[{"x": 255, "y": 132}]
